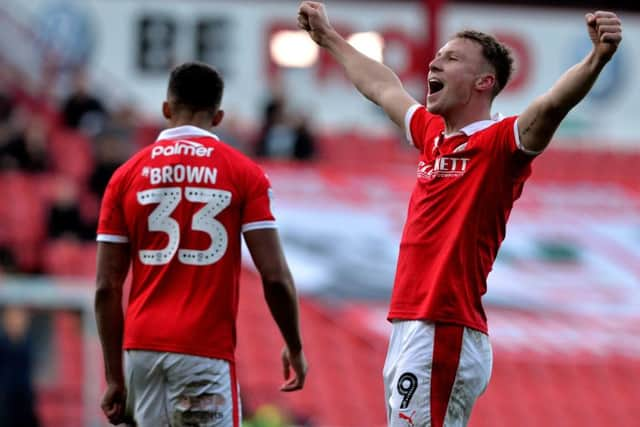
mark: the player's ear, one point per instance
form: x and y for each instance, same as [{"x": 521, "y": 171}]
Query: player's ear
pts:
[
  {"x": 217, "y": 118},
  {"x": 166, "y": 110},
  {"x": 486, "y": 82}
]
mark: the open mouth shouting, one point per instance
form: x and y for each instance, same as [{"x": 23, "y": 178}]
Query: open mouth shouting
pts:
[{"x": 435, "y": 85}]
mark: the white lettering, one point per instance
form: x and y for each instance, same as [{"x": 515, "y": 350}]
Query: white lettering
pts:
[
  {"x": 155, "y": 177},
  {"x": 443, "y": 167},
  {"x": 156, "y": 151},
  {"x": 182, "y": 147},
  {"x": 194, "y": 174},
  {"x": 210, "y": 175},
  {"x": 450, "y": 164},
  {"x": 179, "y": 173},
  {"x": 166, "y": 174}
]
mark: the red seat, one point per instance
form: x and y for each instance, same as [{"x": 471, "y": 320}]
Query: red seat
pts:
[
  {"x": 71, "y": 154},
  {"x": 69, "y": 258},
  {"x": 23, "y": 216}
]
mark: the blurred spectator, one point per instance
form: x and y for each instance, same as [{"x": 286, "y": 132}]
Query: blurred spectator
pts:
[
  {"x": 283, "y": 136},
  {"x": 305, "y": 144},
  {"x": 111, "y": 149},
  {"x": 7, "y": 131},
  {"x": 124, "y": 118},
  {"x": 17, "y": 398},
  {"x": 232, "y": 132},
  {"x": 26, "y": 149},
  {"x": 6, "y": 107},
  {"x": 65, "y": 217},
  {"x": 7, "y": 260},
  {"x": 83, "y": 110}
]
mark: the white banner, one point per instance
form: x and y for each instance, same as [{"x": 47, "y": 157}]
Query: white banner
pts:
[{"x": 130, "y": 44}]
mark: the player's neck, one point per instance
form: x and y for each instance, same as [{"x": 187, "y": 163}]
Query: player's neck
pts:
[
  {"x": 200, "y": 119},
  {"x": 461, "y": 118},
  {"x": 202, "y": 124}
]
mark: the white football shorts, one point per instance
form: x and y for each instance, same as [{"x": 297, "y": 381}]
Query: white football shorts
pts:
[
  {"x": 434, "y": 373},
  {"x": 171, "y": 389}
]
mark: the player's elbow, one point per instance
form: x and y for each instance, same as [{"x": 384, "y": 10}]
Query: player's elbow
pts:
[
  {"x": 372, "y": 92},
  {"x": 277, "y": 280},
  {"x": 106, "y": 292}
]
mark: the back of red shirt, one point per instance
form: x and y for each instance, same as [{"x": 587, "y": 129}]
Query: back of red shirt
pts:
[{"x": 182, "y": 204}]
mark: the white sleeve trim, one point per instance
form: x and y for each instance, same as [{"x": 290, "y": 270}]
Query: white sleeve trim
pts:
[
  {"x": 112, "y": 238},
  {"x": 516, "y": 134},
  {"x": 249, "y": 226},
  {"x": 407, "y": 122}
]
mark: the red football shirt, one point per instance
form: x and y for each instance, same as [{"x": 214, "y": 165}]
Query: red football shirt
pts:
[
  {"x": 182, "y": 204},
  {"x": 466, "y": 186}
]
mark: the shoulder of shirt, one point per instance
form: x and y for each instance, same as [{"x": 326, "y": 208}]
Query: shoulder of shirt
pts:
[
  {"x": 237, "y": 157},
  {"x": 485, "y": 126},
  {"x": 430, "y": 117},
  {"x": 134, "y": 159}
]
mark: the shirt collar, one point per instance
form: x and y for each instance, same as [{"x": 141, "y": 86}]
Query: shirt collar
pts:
[
  {"x": 184, "y": 131},
  {"x": 474, "y": 127}
]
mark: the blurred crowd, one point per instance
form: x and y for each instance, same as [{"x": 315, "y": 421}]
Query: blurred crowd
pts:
[
  {"x": 75, "y": 141},
  {"x": 17, "y": 396}
]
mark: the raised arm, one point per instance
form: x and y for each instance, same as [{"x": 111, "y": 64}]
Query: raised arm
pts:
[
  {"x": 113, "y": 264},
  {"x": 540, "y": 120},
  {"x": 280, "y": 294},
  {"x": 374, "y": 80}
]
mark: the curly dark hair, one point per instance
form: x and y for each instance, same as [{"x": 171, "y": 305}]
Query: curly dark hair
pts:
[
  {"x": 496, "y": 53},
  {"x": 196, "y": 86}
]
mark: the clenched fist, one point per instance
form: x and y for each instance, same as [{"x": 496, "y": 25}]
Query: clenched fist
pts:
[
  {"x": 605, "y": 31},
  {"x": 312, "y": 17}
]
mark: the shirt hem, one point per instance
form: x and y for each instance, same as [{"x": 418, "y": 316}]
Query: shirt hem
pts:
[
  {"x": 408, "y": 116},
  {"x": 258, "y": 225},
  {"x": 181, "y": 350},
  {"x": 396, "y": 315},
  {"x": 112, "y": 238}
]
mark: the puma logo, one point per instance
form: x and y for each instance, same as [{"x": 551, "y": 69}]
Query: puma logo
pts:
[{"x": 407, "y": 418}]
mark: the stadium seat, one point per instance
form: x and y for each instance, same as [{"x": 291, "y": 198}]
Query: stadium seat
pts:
[
  {"x": 63, "y": 257},
  {"x": 71, "y": 154},
  {"x": 23, "y": 216},
  {"x": 343, "y": 363}
]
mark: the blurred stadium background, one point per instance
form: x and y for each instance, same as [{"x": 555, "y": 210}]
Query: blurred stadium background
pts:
[{"x": 81, "y": 84}]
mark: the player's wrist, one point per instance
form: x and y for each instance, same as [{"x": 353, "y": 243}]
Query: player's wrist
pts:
[
  {"x": 330, "y": 38},
  {"x": 115, "y": 382},
  {"x": 597, "y": 60},
  {"x": 114, "y": 378},
  {"x": 295, "y": 349}
]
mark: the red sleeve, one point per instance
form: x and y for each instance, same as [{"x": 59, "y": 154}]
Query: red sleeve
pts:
[
  {"x": 256, "y": 212},
  {"x": 509, "y": 136},
  {"x": 421, "y": 126},
  {"x": 511, "y": 150},
  {"x": 112, "y": 226}
]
